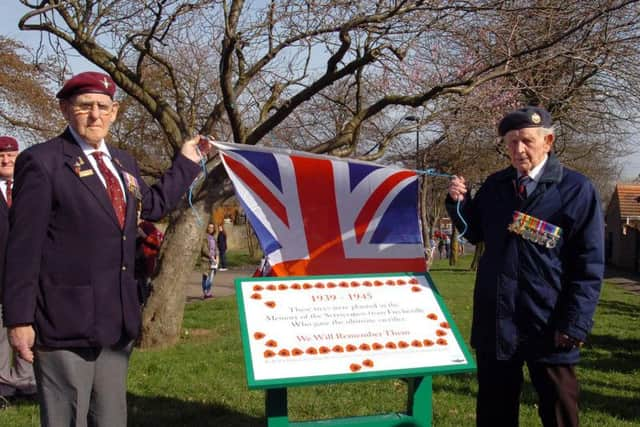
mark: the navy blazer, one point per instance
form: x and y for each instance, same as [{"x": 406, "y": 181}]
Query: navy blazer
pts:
[
  {"x": 69, "y": 267},
  {"x": 4, "y": 234}
]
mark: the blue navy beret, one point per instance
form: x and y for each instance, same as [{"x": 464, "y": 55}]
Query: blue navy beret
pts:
[
  {"x": 87, "y": 82},
  {"x": 527, "y": 117}
]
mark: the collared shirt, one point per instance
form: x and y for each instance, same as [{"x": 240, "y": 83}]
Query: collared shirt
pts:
[
  {"x": 3, "y": 187},
  {"x": 88, "y": 149},
  {"x": 535, "y": 175}
]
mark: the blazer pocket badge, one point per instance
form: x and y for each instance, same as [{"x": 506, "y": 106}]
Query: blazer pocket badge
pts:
[{"x": 77, "y": 168}]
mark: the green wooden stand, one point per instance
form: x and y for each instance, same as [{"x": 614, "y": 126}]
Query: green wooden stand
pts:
[{"x": 419, "y": 410}]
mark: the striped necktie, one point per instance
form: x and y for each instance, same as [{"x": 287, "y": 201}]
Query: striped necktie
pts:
[
  {"x": 9, "y": 196},
  {"x": 523, "y": 181}
]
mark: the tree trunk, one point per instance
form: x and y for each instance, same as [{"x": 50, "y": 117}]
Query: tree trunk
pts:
[
  {"x": 163, "y": 314},
  {"x": 476, "y": 256},
  {"x": 453, "y": 247}
]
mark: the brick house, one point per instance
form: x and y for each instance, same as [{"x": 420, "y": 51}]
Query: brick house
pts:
[{"x": 622, "y": 228}]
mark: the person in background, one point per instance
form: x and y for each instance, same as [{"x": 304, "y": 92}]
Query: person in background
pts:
[
  {"x": 16, "y": 374},
  {"x": 222, "y": 247},
  {"x": 210, "y": 257},
  {"x": 70, "y": 296},
  {"x": 539, "y": 277}
]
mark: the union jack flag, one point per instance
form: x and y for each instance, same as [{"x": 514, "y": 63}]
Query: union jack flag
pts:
[{"x": 317, "y": 215}]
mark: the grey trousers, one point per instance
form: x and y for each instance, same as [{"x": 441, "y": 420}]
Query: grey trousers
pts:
[
  {"x": 83, "y": 387},
  {"x": 14, "y": 371}
]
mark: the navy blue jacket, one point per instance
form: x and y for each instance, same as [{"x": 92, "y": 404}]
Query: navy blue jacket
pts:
[
  {"x": 4, "y": 235},
  {"x": 525, "y": 291},
  {"x": 70, "y": 267}
]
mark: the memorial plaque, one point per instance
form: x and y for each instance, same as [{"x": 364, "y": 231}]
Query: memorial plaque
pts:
[{"x": 318, "y": 329}]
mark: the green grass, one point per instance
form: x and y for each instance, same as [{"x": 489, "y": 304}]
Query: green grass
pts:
[
  {"x": 201, "y": 381},
  {"x": 238, "y": 259}
]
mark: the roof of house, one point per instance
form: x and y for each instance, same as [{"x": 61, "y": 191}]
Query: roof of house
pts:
[{"x": 629, "y": 199}]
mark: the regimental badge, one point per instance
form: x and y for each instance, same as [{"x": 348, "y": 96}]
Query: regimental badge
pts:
[
  {"x": 535, "y": 230},
  {"x": 535, "y": 118},
  {"x": 77, "y": 168},
  {"x": 132, "y": 185}
]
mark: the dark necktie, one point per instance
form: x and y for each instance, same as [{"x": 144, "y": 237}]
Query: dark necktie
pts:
[
  {"x": 113, "y": 188},
  {"x": 522, "y": 186},
  {"x": 9, "y": 197}
]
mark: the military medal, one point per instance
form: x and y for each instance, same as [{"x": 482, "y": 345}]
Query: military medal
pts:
[
  {"x": 132, "y": 185},
  {"x": 535, "y": 230}
]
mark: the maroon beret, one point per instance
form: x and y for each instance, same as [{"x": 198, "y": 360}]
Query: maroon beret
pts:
[
  {"x": 87, "y": 82},
  {"x": 8, "y": 143}
]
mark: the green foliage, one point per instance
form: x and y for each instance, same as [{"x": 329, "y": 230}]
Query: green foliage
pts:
[{"x": 201, "y": 381}]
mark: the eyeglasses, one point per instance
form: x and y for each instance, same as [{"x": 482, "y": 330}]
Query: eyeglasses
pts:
[{"x": 87, "y": 107}]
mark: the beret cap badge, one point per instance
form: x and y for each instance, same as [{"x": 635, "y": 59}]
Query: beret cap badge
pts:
[{"x": 535, "y": 118}]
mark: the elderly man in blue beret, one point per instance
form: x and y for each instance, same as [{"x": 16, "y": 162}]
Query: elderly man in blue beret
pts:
[
  {"x": 70, "y": 296},
  {"x": 16, "y": 374},
  {"x": 539, "y": 278}
]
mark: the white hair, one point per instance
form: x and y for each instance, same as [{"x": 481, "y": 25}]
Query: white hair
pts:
[{"x": 544, "y": 131}]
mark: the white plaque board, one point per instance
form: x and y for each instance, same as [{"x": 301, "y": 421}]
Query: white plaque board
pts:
[{"x": 319, "y": 329}]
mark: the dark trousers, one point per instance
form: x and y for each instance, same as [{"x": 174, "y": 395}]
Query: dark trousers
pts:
[{"x": 500, "y": 385}]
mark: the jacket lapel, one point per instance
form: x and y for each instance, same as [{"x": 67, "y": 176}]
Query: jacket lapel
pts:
[
  {"x": 4, "y": 208},
  {"x": 551, "y": 174},
  {"x": 75, "y": 159}
]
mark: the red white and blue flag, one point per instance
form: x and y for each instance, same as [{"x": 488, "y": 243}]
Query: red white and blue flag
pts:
[{"x": 318, "y": 215}]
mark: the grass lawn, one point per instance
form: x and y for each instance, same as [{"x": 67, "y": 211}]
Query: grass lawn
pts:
[{"x": 201, "y": 381}]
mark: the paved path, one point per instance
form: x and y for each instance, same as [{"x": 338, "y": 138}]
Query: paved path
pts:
[
  {"x": 224, "y": 281},
  {"x": 627, "y": 281},
  {"x": 223, "y": 284}
]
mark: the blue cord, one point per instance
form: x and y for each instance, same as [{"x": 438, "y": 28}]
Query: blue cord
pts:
[
  {"x": 434, "y": 172},
  {"x": 203, "y": 166}
]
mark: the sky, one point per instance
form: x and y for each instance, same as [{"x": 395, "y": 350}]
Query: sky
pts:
[{"x": 11, "y": 11}]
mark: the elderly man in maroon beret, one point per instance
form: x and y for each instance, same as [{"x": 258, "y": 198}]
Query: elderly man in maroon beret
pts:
[
  {"x": 70, "y": 297},
  {"x": 16, "y": 374}
]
